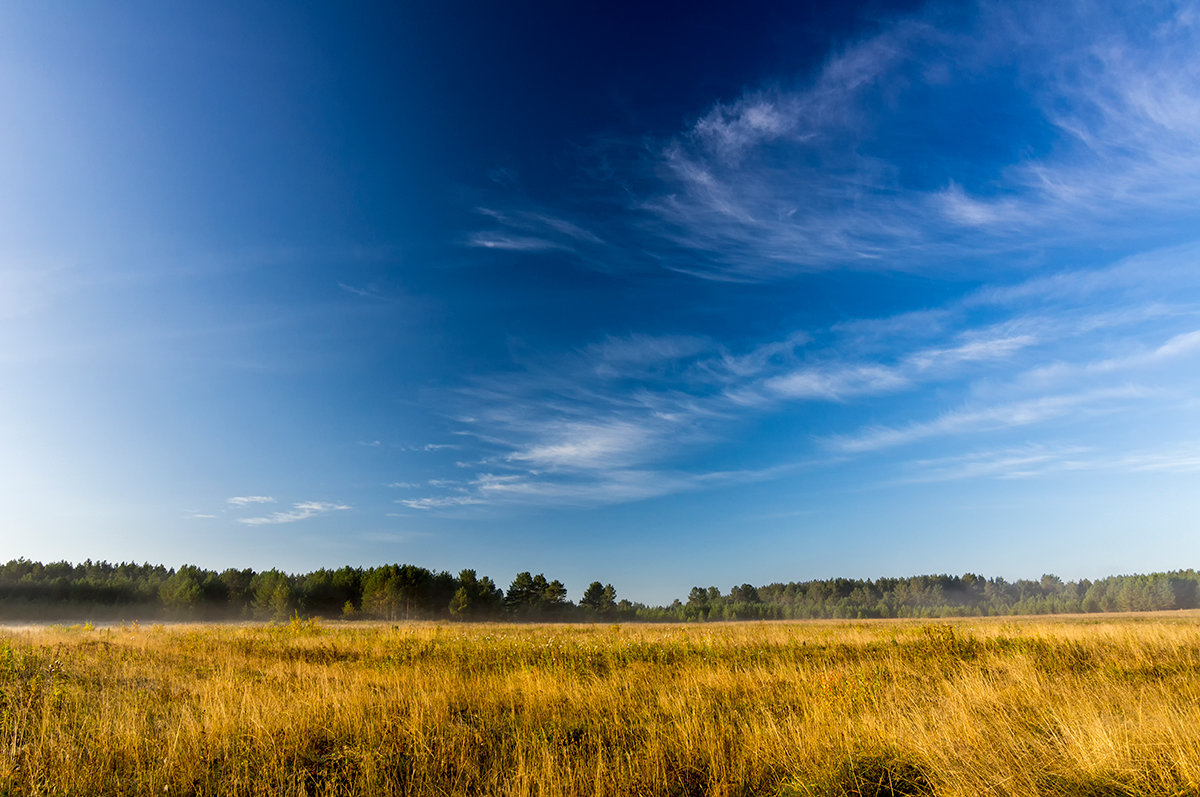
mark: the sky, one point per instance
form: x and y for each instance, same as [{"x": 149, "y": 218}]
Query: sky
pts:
[{"x": 649, "y": 294}]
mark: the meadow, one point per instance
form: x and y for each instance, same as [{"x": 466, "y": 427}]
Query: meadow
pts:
[{"x": 1095, "y": 705}]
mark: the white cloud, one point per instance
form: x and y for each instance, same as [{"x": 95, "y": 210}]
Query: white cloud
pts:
[
  {"x": 968, "y": 211},
  {"x": 1006, "y": 463},
  {"x": 300, "y": 511},
  {"x": 433, "y": 447},
  {"x": 593, "y": 488},
  {"x": 733, "y": 369},
  {"x": 1179, "y": 346},
  {"x": 440, "y": 502},
  {"x": 563, "y": 227},
  {"x": 586, "y": 445},
  {"x": 512, "y": 243},
  {"x": 1173, "y": 461},
  {"x": 366, "y": 293},
  {"x": 540, "y": 223},
  {"x": 635, "y": 355},
  {"x": 921, "y": 324},
  {"x": 1004, "y": 416},
  {"x": 972, "y": 351},
  {"x": 454, "y": 483},
  {"x": 838, "y": 383},
  {"x": 246, "y": 500},
  {"x": 1035, "y": 460}
]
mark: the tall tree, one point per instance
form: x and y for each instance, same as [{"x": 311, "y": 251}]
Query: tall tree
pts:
[
  {"x": 532, "y": 596},
  {"x": 182, "y": 591},
  {"x": 599, "y": 599}
]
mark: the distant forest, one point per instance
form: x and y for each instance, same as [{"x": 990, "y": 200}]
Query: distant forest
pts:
[{"x": 95, "y": 590}]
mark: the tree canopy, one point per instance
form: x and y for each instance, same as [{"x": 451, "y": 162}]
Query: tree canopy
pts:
[{"x": 405, "y": 591}]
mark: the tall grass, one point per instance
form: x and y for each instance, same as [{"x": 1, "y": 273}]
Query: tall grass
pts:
[{"x": 1107, "y": 706}]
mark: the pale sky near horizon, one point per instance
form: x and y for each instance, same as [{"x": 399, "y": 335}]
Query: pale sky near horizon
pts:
[{"x": 672, "y": 297}]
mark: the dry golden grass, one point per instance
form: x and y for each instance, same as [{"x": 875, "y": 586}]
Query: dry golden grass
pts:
[{"x": 1068, "y": 706}]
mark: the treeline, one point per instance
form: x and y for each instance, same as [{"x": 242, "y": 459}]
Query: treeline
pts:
[
  {"x": 391, "y": 592},
  {"x": 30, "y": 590},
  {"x": 940, "y": 596}
]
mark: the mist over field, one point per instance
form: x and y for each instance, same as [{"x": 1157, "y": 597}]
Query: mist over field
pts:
[{"x": 99, "y": 591}]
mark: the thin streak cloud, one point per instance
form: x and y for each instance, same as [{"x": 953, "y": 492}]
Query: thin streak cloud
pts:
[
  {"x": 299, "y": 511},
  {"x": 988, "y": 419},
  {"x": 247, "y": 500}
]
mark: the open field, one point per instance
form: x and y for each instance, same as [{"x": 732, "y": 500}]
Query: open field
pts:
[{"x": 1008, "y": 706}]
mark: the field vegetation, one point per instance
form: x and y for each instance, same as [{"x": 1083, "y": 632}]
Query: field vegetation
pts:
[{"x": 1096, "y": 705}]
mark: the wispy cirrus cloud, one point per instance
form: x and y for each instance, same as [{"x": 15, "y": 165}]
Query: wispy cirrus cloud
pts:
[
  {"x": 439, "y": 502},
  {"x": 599, "y": 423},
  {"x": 836, "y": 383},
  {"x": 1092, "y": 123},
  {"x": 575, "y": 489},
  {"x": 302, "y": 510},
  {"x": 1056, "y": 127},
  {"x": 1020, "y": 462},
  {"x": 1039, "y": 460},
  {"x": 428, "y": 447},
  {"x": 367, "y": 293},
  {"x": 512, "y": 243},
  {"x": 583, "y": 445},
  {"x": 1172, "y": 459},
  {"x": 247, "y": 500},
  {"x": 540, "y": 223},
  {"x": 521, "y": 230},
  {"x": 839, "y": 378},
  {"x": 596, "y": 423},
  {"x": 986, "y": 419}
]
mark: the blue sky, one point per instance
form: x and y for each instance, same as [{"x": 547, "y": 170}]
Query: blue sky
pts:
[{"x": 662, "y": 298}]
